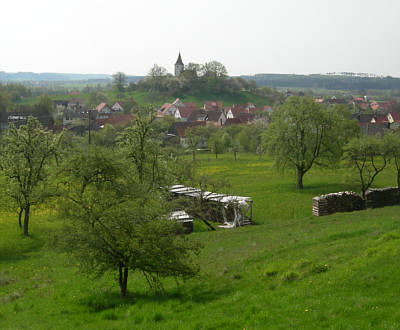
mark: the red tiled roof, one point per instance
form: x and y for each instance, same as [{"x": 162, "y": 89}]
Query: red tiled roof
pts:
[
  {"x": 186, "y": 111},
  {"x": 232, "y": 121},
  {"x": 115, "y": 120},
  {"x": 190, "y": 104},
  {"x": 101, "y": 106},
  {"x": 395, "y": 116},
  {"x": 181, "y": 127},
  {"x": 212, "y": 105},
  {"x": 381, "y": 119}
]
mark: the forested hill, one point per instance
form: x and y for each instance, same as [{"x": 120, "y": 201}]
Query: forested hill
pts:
[
  {"x": 31, "y": 76},
  {"x": 325, "y": 81}
]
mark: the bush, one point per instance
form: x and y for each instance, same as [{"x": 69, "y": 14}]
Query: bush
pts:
[
  {"x": 318, "y": 268},
  {"x": 289, "y": 276},
  {"x": 109, "y": 315},
  {"x": 158, "y": 317},
  {"x": 270, "y": 272}
]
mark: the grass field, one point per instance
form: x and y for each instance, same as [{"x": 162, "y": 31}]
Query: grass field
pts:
[
  {"x": 290, "y": 270},
  {"x": 144, "y": 98}
]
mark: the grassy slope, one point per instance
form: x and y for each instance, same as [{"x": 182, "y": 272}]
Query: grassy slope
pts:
[
  {"x": 144, "y": 98},
  {"x": 246, "y": 272}
]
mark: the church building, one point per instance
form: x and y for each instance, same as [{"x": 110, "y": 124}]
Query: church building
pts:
[{"x": 179, "y": 66}]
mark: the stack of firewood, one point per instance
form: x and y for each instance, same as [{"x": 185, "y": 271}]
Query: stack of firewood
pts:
[{"x": 346, "y": 201}]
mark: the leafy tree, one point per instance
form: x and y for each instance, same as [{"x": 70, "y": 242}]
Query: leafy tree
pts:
[
  {"x": 43, "y": 110},
  {"x": 368, "y": 155},
  {"x": 115, "y": 223},
  {"x": 4, "y": 101},
  {"x": 156, "y": 76},
  {"x": 144, "y": 151},
  {"x": 96, "y": 97},
  {"x": 392, "y": 144},
  {"x": 216, "y": 143},
  {"x": 27, "y": 155},
  {"x": 192, "y": 141},
  {"x": 119, "y": 81},
  {"x": 303, "y": 133},
  {"x": 214, "y": 74}
]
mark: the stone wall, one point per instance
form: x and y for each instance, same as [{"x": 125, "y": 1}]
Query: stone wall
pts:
[
  {"x": 382, "y": 197},
  {"x": 346, "y": 201}
]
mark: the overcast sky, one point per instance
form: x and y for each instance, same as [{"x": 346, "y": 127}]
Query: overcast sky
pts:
[{"x": 247, "y": 36}]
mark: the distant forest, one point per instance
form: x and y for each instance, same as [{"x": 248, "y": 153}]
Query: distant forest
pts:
[
  {"x": 333, "y": 82},
  {"x": 53, "y": 77},
  {"x": 325, "y": 81}
]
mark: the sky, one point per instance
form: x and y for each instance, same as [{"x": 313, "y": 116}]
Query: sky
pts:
[{"x": 248, "y": 37}]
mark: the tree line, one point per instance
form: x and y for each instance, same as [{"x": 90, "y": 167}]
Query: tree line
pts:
[{"x": 325, "y": 81}]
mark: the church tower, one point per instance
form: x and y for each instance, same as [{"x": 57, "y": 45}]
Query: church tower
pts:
[{"x": 179, "y": 66}]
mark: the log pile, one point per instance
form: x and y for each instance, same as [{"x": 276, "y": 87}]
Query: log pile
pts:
[
  {"x": 346, "y": 201},
  {"x": 382, "y": 197}
]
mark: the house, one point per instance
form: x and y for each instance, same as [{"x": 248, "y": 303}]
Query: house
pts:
[
  {"x": 117, "y": 107},
  {"x": 169, "y": 109},
  {"x": 60, "y": 104},
  {"x": 183, "y": 112},
  {"x": 179, "y": 129},
  {"x": 216, "y": 118},
  {"x": 76, "y": 104},
  {"x": 237, "y": 109},
  {"x": 394, "y": 120},
  {"x": 103, "y": 110},
  {"x": 114, "y": 120},
  {"x": 212, "y": 105},
  {"x": 197, "y": 115}
]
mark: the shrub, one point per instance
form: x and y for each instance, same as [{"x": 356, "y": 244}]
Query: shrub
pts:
[
  {"x": 318, "y": 268},
  {"x": 270, "y": 272},
  {"x": 109, "y": 315},
  {"x": 158, "y": 317},
  {"x": 289, "y": 276}
]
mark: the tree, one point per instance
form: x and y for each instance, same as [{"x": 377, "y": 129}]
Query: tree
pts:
[
  {"x": 27, "y": 155},
  {"x": 303, "y": 133},
  {"x": 141, "y": 149},
  {"x": 155, "y": 76},
  {"x": 119, "y": 81},
  {"x": 4, "y": 101},
  {"x": 368, "y": 155},
  {"x": 95, "y": 98},
  {"x": 114, "y": 223},
  {"x": 192, "y": 141},
  {"x": 43, "y": 110},
  {"x": 214, "y": 74},
  {"x": 392, "y": 144},
  {"x": 216, "y": 143}
]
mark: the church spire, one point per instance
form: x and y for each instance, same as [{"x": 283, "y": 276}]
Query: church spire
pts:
[
  {"x": 179, "y": 60},
  {"x": 179, "y": 66}
]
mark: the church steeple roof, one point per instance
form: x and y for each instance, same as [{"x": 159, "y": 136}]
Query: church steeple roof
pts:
[{"x": 179, "y": 60}]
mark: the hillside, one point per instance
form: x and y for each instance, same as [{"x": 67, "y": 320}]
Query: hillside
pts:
[
  {"x": 290, "y": 270},
  {"x": 144, "y": 98}
]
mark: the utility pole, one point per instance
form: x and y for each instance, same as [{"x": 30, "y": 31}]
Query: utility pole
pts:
[{"x": 90, "y": 126}]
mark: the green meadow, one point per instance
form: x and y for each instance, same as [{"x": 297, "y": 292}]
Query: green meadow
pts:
[{"x": 290, "y": 270}]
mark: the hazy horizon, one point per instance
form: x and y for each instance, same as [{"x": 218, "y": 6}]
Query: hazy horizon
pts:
[{"x": 255, "y": 37}]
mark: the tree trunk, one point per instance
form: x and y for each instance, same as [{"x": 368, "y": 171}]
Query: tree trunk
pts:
[
  {"x": 194, "y": 155},
  {"x": 235, "y": 154},
  {"x": 26, "y": 220},
  {"x": 216, "y": 156},
  {"x": 300, "y": 174},
  {"x": 20, "y": 217},
  {"x": 123, "y": 279}
]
